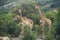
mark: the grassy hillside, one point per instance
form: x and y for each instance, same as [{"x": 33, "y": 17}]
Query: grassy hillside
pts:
[{"x": 45, "y": 4}]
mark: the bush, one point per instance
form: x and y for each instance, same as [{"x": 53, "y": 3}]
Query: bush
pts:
[
  {"x": 28, "y": 35},
  {"x": 13, "y": 29},
  {"x": 7, "y": 26},
  {"x": 58, "y": 25}
]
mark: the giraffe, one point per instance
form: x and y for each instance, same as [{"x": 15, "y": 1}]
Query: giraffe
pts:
[
  {"x": 24, "y": 21},
  {"x": 43, "y": 20}
]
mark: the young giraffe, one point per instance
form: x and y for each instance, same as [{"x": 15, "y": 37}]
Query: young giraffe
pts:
[{"x": 43, "y": 20}]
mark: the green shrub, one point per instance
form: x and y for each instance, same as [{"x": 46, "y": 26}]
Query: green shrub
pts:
[{"x": 28, "y": 35}]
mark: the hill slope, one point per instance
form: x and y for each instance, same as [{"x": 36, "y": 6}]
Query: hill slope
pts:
[{"x": 45, "y": 4}]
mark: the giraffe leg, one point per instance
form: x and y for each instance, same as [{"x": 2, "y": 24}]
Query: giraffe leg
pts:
[
  {"x": 49, "y": 26},
  {"x": 22, "y": 28},
  {"x": 42, "y": 26},
  {"x": 30, "y": 28},
  {"x": 22, "y": 33}
]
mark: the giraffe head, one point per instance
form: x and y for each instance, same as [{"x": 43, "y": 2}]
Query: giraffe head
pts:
[
  {"x": 17, "y": 17},
  {"x": 36, "y": 6},
  {"x": 19, "y": 10}
]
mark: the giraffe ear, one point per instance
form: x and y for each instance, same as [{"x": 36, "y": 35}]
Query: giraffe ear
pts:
[{"x": 36, "y": 6}]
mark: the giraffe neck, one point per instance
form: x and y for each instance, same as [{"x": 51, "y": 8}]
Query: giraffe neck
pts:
[
  {"x": 40, "y": 13},
  {"x": 20, "y": 18},
  {"x": 20, "y": 15}
]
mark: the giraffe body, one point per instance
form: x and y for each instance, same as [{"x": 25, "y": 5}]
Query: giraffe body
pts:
[
  {"x": 43, "y": 19},
  {"x": 24, "y": 21}
]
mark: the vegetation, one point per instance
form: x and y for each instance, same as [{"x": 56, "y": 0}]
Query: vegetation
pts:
[{"x": 10, "y": 28}]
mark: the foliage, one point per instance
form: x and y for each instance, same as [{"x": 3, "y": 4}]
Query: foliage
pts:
[
  {"x": 7, "y": 26},
  {"x": 49, "y": 34},
  {"x": 27, "y": 9},
  {"x": 28, "y": 34},
  {"x": 13, "y": 29},
  {"x": 58, "y": 25},
  {"x": 51, "y": 15}
]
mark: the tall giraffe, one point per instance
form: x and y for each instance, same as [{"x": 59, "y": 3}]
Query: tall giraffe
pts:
[{"x": 43, "y": 20}]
